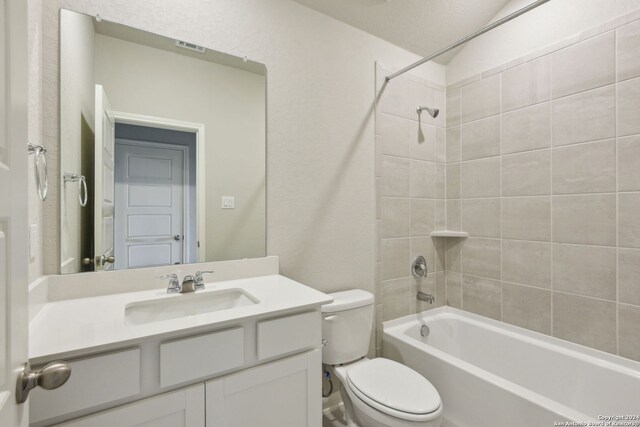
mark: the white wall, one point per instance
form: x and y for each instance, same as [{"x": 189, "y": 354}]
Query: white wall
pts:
[
  {"x": 229, "y": 102},
  {"x": 78, "y": 101},
  {"x": 548, "y": 24},
  {"x": 320, "y": 134}
]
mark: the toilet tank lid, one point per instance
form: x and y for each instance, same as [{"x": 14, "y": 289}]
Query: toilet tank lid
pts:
[{"x": 345, "y": 300}]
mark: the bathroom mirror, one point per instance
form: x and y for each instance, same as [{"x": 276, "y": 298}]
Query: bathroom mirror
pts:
[{"x": 162, "y": 153}]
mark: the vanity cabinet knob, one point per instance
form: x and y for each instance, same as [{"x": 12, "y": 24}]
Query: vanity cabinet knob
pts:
[{"x": 52, "y": 376}]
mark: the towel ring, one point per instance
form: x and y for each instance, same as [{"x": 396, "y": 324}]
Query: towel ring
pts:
[
  {"x": 83, "y": 193},
  {"x": 40, "y": 167}
]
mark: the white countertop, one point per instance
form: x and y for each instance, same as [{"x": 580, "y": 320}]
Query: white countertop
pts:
[{"x": 75, "y": 327}]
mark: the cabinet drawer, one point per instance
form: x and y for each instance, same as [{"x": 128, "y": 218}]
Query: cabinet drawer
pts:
[
  {"x": 93, "y": 381},
  {"x": 288, "y": 334},
  {"x": 201, "y": 356}
]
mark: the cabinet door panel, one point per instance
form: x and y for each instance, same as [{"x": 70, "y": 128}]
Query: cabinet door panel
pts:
[
  {"x": 180, "y": 408},
  {"x": 285, "y": 393}
]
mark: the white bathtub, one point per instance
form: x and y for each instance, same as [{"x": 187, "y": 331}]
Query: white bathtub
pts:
[{"x": 492, "y": 374}]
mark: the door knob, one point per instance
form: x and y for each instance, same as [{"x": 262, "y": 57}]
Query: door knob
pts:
[
  {"x": 177, "y": 237},
  {"x": 87, "y": 261},
  {"x": 52, "y": 376}
]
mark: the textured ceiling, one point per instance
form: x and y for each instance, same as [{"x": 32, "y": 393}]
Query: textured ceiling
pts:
[{"x": 420, "y": 26}]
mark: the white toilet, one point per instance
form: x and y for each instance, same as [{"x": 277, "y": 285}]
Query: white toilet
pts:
[{"x": 376, "y": 392}]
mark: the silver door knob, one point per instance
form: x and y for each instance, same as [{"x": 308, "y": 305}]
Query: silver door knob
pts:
[
  {"x": 108, "y": 259},
  {"x": 177, "y": 237},
  {"x": 52, "y": 376}
]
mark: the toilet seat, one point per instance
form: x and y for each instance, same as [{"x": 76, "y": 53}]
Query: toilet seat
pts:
[{"x": 394, "y": 389}]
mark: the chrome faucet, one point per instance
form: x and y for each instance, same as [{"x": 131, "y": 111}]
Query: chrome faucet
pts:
[
  {"x": 200, "y": 280},
  {"x": 423, "y": 296},
  {"x": 174, "y": 284},
  {"x": 189, "y": 283}
]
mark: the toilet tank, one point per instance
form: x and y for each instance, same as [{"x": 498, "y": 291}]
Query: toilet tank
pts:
[{"x": 346, "y": 326}]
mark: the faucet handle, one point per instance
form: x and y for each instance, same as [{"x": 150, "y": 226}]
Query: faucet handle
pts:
[
  {"x": 174, "y": 283},
  {"x": 200, "y": 280}
]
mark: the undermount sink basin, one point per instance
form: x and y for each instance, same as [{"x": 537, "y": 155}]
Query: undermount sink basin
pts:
[{"x": 184, "y": 305}]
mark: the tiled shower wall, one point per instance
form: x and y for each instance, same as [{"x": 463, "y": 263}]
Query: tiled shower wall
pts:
[
  {"x": 410, "y": 186},
  {"x": 543, "y": 172}
]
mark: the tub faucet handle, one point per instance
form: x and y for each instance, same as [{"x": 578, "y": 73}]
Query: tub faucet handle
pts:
[{"x": 419, "y": 267}]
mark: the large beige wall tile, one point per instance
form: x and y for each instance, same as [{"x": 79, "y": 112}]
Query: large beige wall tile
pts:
[
  {"x": 453, "y": 181},
  {"x": 585, "y": 321},
  {"x": 481, "y": 138},
  {"x": 585, "y": 270},
  {"x": 481, "y": 99},
  {"x": 527, "y": 129},
  {"x": 629, "y": 276},
  {"x": 423, "y": 139},
  {"x": 629, "y": 107},
  {"x": 393, "y": 134},
  {"x": 424, "y": 246},
  {"x": 453, "y": 144},
  {"x": 629, "y": 163},
  {"x": 480, "y": 178},
  {"x": 482, "y": 296},
  {"x": 440, "y": 190},
  {"x": 454, "y": 107},
  {"x": 585, "y": 219},
  {"x": 628, "y": 50},
  {"x": 396, "y": 215},
  {"x": 526, "y": 262},
  {"x": 527, "y": 307},
  {"x": 585, "y": 168},
  {"x": 454, "y": 289},
  {"x": 423, "y": 179},
  {"x": 453, "y": 248},
  {"x": 527, "y": 174},
  {"x": 395, "y": 258},
  {"x": 395, "y": 298},
  {"x": 481, "y": 217},
  {"x": 453, "y": 215},
  {"x": 422, "y": 217},
  {"x": 526, "y": 218},
  {"x": 629, "y": 220},
  {"x": 587, "y": 116},
  {"x": 526, "y": 84},
  {"x": 628, "y": 331},
  {"x": 395, "y": 177},
  {"x": 482, "y": 257},
  {"x": 583, "y": 66},
  {"x": 394, "y": 98}
]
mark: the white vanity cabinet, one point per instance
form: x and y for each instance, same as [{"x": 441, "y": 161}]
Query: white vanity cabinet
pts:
[
  {"x": 285, "y": 393},
  {"x": 259, "y": 372}
]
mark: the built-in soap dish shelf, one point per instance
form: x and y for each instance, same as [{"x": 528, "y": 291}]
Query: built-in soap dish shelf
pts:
[{"x": 450, "y": 233}]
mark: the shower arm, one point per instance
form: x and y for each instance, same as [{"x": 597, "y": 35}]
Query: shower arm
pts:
[{"x": 468, "y": 38}]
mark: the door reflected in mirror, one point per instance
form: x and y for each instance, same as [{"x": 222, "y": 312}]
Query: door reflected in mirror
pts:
[{"x": 169, "y": 138}]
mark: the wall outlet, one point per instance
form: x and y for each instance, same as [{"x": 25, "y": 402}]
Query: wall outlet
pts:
[
  {"x": 33, "y": 241},
  {"x": 228, "y": 202}
]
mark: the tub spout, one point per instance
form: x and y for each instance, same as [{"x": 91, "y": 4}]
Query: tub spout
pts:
[{"x": 423, "y": 296}]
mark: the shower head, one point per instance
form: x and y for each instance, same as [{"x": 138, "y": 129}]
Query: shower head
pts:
[{"x": 433, "y": 112}]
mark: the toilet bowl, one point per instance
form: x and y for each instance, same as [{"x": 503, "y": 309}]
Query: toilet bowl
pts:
[{"x": 376, "y": 392}]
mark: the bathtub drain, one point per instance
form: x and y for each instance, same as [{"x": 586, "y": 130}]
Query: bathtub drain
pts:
[{"x": 424, "y": 330}]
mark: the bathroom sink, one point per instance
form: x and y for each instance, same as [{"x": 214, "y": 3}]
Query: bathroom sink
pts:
[{"x": 185, "y": 305}]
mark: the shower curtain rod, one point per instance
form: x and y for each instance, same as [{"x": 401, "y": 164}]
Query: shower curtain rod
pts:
[{"x": 468, "y": 38}]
